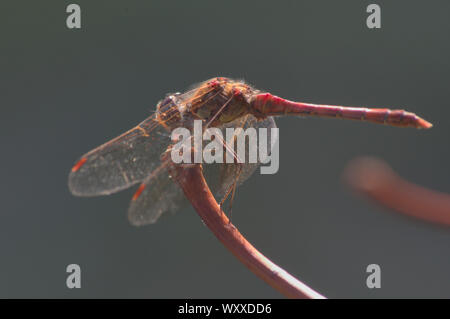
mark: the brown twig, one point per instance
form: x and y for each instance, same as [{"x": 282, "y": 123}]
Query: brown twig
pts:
[
  {"x": 195, "y": 188},
  {"x": 377, "y": 180}
]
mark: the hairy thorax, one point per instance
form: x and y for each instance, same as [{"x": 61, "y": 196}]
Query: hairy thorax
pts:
[{"x": 217, "y": 101}]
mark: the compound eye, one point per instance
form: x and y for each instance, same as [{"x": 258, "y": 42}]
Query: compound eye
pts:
[{"x": 169, "y": 100}]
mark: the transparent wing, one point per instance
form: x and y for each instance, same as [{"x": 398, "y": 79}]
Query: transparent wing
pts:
[
  {"x": 158, "y": 194},
  {"x": 121, "y": 162},
  {"x": 220, "y": 177}
]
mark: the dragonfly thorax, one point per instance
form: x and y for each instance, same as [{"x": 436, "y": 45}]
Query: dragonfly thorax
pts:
[
  {"x": 217, "y": 101},
  {"x": 221, "y": 100}
]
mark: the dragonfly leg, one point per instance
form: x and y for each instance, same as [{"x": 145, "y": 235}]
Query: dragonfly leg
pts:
[
  {"x": 231, "y": 190},
  {"x": 225, "y": 197},
  {"x": 234, "y": 192},
  {"x": 218, "y": 112}
]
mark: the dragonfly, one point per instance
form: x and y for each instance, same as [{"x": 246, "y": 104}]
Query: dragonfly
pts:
[{"x": 137, "y": 156}]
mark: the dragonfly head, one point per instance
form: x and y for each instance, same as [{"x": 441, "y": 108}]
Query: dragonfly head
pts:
[{"x": 167, "y": 102}]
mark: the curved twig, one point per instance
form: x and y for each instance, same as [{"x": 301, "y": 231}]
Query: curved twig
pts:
[
  {"x": 374, "y": 178},
  {"x": 191, "y": 180}
]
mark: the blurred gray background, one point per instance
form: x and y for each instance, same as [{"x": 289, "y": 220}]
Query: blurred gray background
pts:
[{"x": 63, "y": 92}]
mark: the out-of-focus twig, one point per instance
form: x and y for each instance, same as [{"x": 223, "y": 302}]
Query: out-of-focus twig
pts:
[
  {"x": 374, "y": 178},
  {"x": 195, "y": 188}
]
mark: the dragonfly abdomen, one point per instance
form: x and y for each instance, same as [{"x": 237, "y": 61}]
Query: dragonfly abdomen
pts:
[{"x": 269, "y": 105}]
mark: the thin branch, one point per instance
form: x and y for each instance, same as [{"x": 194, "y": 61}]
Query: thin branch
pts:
[
  {"x": 195, "y": 188},
  {"x": 374, "y": 178}
]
